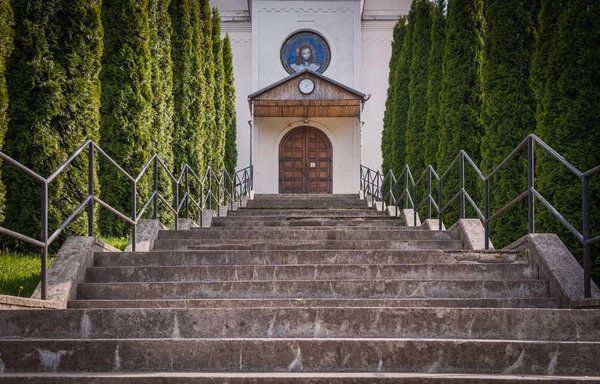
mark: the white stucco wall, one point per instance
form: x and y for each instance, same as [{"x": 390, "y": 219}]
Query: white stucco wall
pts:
[
  {"x": 343, "y": 134},
  {"x": 273, "y": 21},
  {"x": 359, "y": 34},
  {"x": 376, "y": 43}
]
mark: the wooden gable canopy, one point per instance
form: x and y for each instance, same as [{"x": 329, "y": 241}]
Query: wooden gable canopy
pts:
[{"x": 328, "y": 99}]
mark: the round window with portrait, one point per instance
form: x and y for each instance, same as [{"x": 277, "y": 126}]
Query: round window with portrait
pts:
[{"x": 305, "y": 50}]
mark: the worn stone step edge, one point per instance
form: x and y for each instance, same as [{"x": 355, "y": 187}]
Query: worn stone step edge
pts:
[
  {"x": 298, "y": 354},
  {"x": 309, "y": 272},
  {"x": 284, "y": 378},
  {"x": 293, "y": 289},
  {"x": 234, "y": 244},
  {"x": 545, "y": 302},
  {"x": 337, "y": 322}
]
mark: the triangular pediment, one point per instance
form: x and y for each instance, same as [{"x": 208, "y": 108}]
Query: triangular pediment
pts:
[{"x": 328, "y": 98}]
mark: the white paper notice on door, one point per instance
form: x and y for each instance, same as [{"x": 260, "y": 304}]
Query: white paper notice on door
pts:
[{"x": 313, "y": 165}]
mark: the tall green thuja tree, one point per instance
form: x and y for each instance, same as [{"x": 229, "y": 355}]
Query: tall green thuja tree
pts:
[
  {"x": 417, "y": 88},
  {"x": 79, "y": 52},
  {"x": 36, "y": 97},
  {"x": 218, "y": 136},
  {"x": 569, "y": 118},
  {"x": 402, "y": 98},
  {"x": 390, "y": 102},
  {"x": 127, "y": 113},
  {"x": 162, "y": 90},
  {"x": 508, "y": 110},
  {"x": 434, "y": 87},
  {"x": 460, "y": 99},
  {"x": 208, "y": 94},
  {"x": 543, "y": 74},
  {"x": 6, "y": 45},
  {"x": 231, "y": 154},
  {"x": 188, "y": 84}
]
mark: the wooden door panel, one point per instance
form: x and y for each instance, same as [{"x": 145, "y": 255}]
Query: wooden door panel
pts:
[{"x": 305, "y": 162}]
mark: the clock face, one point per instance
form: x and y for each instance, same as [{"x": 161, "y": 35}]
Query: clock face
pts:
[{"x": 306, "y": 86}]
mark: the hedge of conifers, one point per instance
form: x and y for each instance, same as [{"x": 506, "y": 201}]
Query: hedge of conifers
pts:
[
  {"x": 137, "y": 76},
  {"x": 498, "y": 70}
]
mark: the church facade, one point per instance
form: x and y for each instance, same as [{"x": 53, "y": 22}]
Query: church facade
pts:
[{"x": 311, "y": 81}]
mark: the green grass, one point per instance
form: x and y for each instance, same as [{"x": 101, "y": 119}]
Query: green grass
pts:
[
  {"x": 20, "y": 273},
  {"x": 117, "y": 242}
]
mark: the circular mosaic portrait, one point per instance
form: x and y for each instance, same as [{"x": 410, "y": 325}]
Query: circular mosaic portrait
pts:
[{"x": 305, "y": 50}]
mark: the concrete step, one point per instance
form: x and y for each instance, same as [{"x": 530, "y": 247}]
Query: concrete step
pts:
[
  {"x": 320, "y": 233},
  {"x": 311, "y": 272},
  {"x": 282, "y": 221},
  {"x": 308, "y": 355},
  {"x": 307, "y": 204},
  {"x": 307, "y": 229},
  {"x": 297, "y": 257},
  {"x": 295, "y": 289},
  {"x": 305, "y": 196},
  {"x": 440, "y": 323},
  {"x": 546, "y": 302},
  {"x": 331, "y": 213},
  {"x": 258, "y": 244},
  {"x": 284, "y": 378}
]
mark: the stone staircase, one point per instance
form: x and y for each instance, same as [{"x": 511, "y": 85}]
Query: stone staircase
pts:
[{"x": 305, "y": 289}]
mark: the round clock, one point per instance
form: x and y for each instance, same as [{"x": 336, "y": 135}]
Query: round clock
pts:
[{"x": 306, "y": 86}]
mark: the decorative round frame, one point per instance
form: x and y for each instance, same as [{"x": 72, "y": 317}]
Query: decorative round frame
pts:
[{"x": 300, "y": 43}]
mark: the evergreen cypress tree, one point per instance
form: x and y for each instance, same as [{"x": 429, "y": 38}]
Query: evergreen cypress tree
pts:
[
  {"x": 162, "y": 89},
  {"x": 79, "y": 52},
  {"x": 402, "y": 101},
  {"x": 55, "y": 92},
  {"x": 547, "y": 34},
  {"x": 6, "y": 45},
  {"x": 218, "y": 137},
  {"x": 569, "y": 119},
  {"x": 508, "y": 110},
  {"x": 460, "y": 100},
  {"x": 188, "y": 85},
  {"x": 390, "y": 102},
  {"x": 434, "y": 87},
  {"x": 208, "y": 94},
  {"x": 417, "y": 88},
  {"x": 231, "y": 154},
  {"x": 127, "y": 114}
]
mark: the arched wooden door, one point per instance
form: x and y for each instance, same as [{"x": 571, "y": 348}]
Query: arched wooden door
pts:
[{"x": 305, "y": 162}]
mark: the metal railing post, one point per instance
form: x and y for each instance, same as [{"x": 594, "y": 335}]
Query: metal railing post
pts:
[
  {"x": 397, "y": 196},
  {"x": 587, "y": 288},
  {"x": 486, "y": 212},
  {"x": 209, "y": 193},
  {"x": 530, "y": 184},
  {"x": 219, "y": 198},
  {"x": 462, "y": 185},
  {"x": 377, "y": 190},
  {"x": 414, "y": 206},
  {"x": 187, "y": 194},
  {"x": 177, "y": 203},
  {"x": 429, "y": 194},
  {"x": 91, "y": 188},
  {"x": 133, "y": 215},
  {"x": 440, "y": 212},
  {"x": 155, "y": 210},
  {"x": 44, "y": 252},
  {"x": 406, "y": 187}
]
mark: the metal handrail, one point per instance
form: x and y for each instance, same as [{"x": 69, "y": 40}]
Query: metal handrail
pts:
[
  {"x": 241, "y": 184},
  {"x": 462, "y": 195}
]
